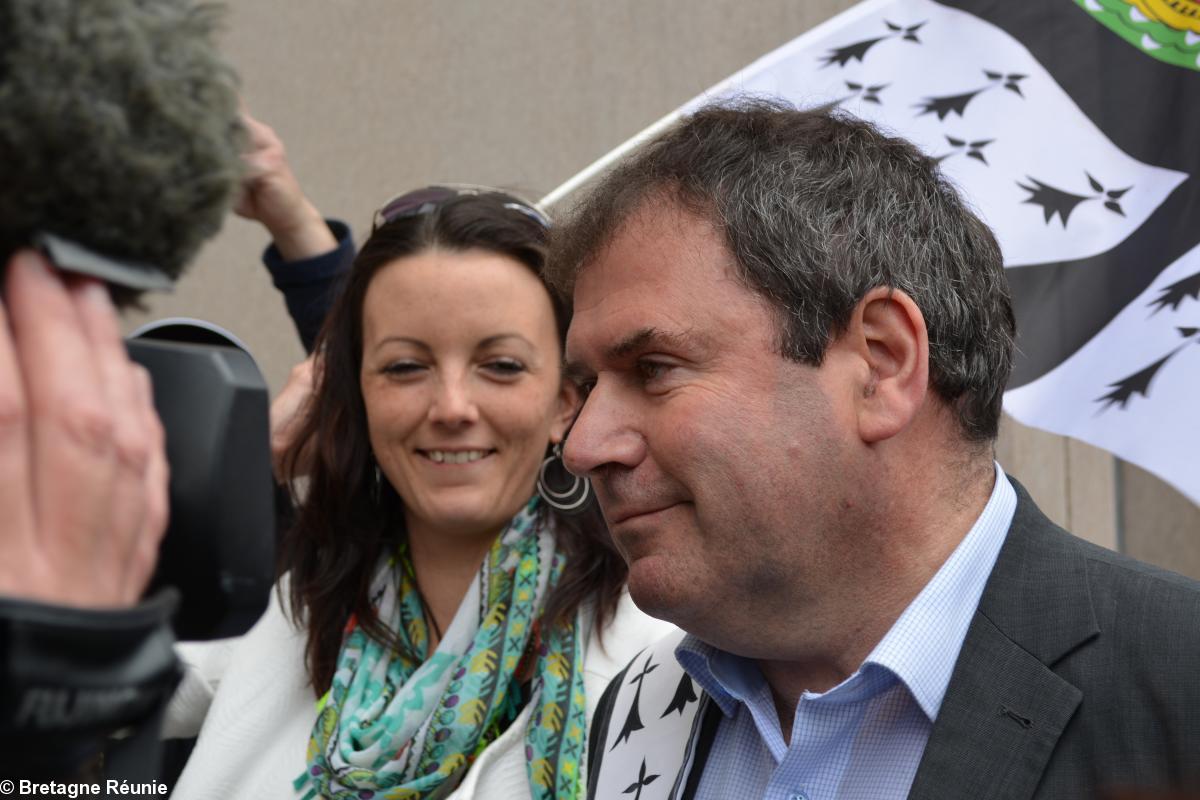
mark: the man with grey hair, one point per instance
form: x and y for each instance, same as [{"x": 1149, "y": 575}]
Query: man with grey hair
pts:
[{"x": 794, "y": 337}]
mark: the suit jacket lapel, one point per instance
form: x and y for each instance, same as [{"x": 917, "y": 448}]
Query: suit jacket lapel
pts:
[{"x": 1005, "y": 708}]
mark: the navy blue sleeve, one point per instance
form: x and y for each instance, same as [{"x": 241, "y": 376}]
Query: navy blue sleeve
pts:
[{"x": 310, "y": 285}]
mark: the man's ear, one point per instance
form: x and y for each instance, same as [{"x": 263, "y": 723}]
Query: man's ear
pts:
[
  {"x": 570, "y": 400},
  {"x": 887, "y": 331}
]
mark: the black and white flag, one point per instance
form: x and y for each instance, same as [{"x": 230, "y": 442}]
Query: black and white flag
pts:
[{"x": 1073, "y": 128}]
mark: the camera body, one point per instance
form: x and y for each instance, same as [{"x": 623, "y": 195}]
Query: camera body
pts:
[{"x": 219, "y": 549}]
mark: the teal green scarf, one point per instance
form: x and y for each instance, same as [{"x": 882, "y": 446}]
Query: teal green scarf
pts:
[{"x": 400, "y": 729}]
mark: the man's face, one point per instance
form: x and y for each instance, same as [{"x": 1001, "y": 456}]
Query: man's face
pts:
[{"x": 718, "y": 463}]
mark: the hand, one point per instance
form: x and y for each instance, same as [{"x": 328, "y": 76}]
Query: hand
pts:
[
  {"x": 288, "y": 411},
  {"x": 83, "y": 469},
  {"x": 270, "y": 194}
]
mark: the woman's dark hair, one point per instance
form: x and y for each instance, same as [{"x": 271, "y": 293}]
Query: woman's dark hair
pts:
[{"x": 344, "y": 524}]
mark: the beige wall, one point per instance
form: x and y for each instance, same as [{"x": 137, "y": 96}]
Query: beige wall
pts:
[{"x": 376, "y": 96}]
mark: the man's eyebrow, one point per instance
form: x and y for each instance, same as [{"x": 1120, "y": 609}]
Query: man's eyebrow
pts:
[
  {"x": 639, "y": 340},
  {"x": 645, "y": 339}
]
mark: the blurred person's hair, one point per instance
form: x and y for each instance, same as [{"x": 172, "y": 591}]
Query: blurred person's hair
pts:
[
  {"x": 345, "y": 523},
  {"x": 119, "y": 128},
  {"x": 817, "y": 208}
]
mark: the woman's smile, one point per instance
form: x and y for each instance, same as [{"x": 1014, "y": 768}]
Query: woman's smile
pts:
[{"x": 455, "y": 457}]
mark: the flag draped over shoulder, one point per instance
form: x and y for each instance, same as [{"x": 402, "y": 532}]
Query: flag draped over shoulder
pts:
[{"x": 1073, "y": 128}]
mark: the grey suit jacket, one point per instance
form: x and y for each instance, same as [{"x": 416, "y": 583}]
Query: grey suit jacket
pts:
[{"x": 1080, "y": 672}]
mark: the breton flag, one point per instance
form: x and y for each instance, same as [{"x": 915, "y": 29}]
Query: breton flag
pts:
[{"x": 1073, "y": 128}]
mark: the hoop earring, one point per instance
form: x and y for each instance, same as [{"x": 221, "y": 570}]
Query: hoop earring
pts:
[{"x": 571, "y": 501}]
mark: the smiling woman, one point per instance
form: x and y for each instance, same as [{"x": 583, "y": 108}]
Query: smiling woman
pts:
[
  {"x": 463, "y": 391},
  {"x": 448, "y": 610}
]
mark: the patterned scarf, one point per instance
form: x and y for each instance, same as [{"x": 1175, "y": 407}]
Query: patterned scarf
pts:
[{"x": 399, "y": 729}]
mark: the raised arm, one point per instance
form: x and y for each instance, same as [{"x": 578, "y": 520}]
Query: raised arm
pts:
[{"x": 308, "y": 254}]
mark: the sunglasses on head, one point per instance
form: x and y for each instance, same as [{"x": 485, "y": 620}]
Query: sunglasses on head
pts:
[{"x": 425, "y": 201}]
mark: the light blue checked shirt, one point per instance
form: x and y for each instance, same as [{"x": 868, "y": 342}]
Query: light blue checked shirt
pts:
[{"x": 862, "y": 739}]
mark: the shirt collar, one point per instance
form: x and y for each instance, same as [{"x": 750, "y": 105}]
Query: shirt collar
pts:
[
  {"x": 921, "y": 646},
  {"x": 737, "y": 685}
]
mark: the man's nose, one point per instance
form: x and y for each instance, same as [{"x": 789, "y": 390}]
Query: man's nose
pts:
[{"x": 605, "y": 433}]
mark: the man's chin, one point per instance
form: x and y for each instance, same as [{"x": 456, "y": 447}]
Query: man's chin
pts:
[{"x": 653, "y": 588}]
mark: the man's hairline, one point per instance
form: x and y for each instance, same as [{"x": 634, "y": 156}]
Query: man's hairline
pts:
[{"x": 703, "y": 210}]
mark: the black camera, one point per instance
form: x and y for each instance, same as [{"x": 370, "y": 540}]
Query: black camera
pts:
[{"x": 219, "y": 549}]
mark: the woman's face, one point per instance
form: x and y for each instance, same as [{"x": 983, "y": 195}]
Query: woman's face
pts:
[{"x": 462, "y": 385}]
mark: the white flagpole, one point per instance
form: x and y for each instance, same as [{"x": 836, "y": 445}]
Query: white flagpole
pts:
[{"x": 602, "y": 163}]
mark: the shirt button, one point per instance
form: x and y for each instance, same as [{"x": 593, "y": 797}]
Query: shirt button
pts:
[{"x": 797, "y": 795}]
